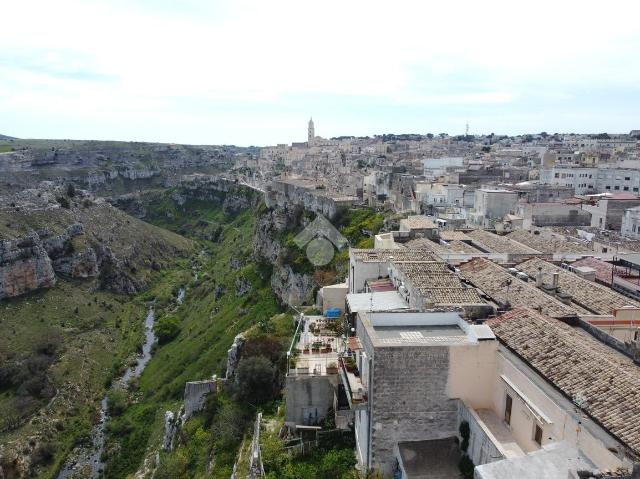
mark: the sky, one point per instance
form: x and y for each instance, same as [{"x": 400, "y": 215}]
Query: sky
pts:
[{"x": 252, "y": 72}]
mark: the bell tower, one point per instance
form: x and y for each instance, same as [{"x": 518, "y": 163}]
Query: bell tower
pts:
[{"x": 311, "y": 133}]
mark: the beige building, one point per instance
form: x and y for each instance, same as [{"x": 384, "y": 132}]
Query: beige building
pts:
[{"x": 540, "y": 399}]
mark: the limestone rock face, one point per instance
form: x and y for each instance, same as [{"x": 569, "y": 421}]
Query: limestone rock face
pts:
[
  {"x": 235, "y": 202},
  {"x": 83, "y": 264},
  {"x": 233, "y": 355},
  {"x": 24, "y": 266},
  {"x": 290, "y": 286}
]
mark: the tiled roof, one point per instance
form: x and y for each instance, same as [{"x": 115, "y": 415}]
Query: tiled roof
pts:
[
  {"x": 457, "y": 246},
  {"x": 491, "y": 279},
  {"x": 423, "y": 243},
  {"x": 603, "y": 269},
  {"x": 592, "y": 296},
  {"x": 450, "y": 296},
  {"x": 379, "y": 255},
  {"x": 549, "y": 244},
  {"x": 500, "y": 244},
  {"x": 449, "y": 235},
  {"x": 578, "y": 365},
  {"x": 419, "y": 222},
  {"x": 439, "y": 288}
]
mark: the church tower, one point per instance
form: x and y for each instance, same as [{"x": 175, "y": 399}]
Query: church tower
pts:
[{"x": 311, "y": 132}]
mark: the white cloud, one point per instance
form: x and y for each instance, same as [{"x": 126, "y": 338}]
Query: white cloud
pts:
[{"x": 82, "y": 57}]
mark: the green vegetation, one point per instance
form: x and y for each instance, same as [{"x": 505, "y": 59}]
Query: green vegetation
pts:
[
  {"x": 359, "y": 226},
  {"x": 333, "y": 457},
  {"x": 5, "y": 148},
  {"x": 62, "y": 346},
  {"x": 167, "y": 328},
  {"x": 213, "y": 312}
]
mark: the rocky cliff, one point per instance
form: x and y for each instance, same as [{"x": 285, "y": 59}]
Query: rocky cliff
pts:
[
  {"x": 292, "y": 287},
  {"x": 24, "y": 266},
  {"x": 108, "y": 167},
  {"x": 86, "y": 238}
]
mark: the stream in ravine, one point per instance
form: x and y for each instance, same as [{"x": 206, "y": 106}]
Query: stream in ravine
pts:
[{"x": 93, "y": 457}]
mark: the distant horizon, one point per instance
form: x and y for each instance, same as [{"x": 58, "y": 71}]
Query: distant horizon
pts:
[
  {"x": 451, "y": 135},
  {"x": 251, "y": 73}
]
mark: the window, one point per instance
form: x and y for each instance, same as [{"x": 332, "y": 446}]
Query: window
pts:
[
  {"x": 626, "y": 188},
  {"x": 607, "y": 187},
  {"x": 627, "y": 178},
  {"x": 616, "y": 187},
  {"x": 537, "y": 435},
  {"x": 507, "y": 409}
]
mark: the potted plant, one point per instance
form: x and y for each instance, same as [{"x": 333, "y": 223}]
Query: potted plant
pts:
[
  {"x": 350, "y": 364},
  {"x": 332, "y": 368},
  {"x": 315, "y": 347}
]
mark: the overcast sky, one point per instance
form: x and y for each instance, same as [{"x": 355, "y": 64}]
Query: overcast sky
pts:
[{"x": 253, "y": 71}]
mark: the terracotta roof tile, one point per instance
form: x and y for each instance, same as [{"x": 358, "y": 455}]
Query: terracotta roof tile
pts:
[
  {"x": 491, "y": 279},
  {"x": 595, "y": 297},
  {"x": 578, "y": 365},
  {"x": 500, "y": 244}
]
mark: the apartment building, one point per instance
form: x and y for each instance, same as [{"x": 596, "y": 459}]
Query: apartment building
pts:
[{"x": 538, "y": 396}]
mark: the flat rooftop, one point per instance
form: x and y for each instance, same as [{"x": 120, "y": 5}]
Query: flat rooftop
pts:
[
  {"x": 376, "y": 301},
  {"x": 435, "y": 459},
  {"x": 418, "y": 334},
  {"x": 551, "y": 462},
  {"x": 421, "y": 329}
]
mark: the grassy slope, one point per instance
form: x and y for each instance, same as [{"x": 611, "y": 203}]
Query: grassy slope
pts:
[
  {"x": 96, "y": 340},
  {"x": 208, "y": 326},
  {"x": 96, "y": 343}
]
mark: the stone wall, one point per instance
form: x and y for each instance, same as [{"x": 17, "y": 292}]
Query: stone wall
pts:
[
  {"x": 409, "y": 401},
  {"x": 482, "y": 448},
  {"x": 309, "y": 395},
  {"x": 195, "y": 395}
]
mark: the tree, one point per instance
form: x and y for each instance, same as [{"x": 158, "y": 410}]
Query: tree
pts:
[
  {"x": 63, "y": 202},
  {"x": 71, "y": 190},
  {"x": 167, "y": 328},
  {"x": 255, "y": 380}
]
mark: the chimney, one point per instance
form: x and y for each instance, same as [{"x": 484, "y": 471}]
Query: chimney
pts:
[
  {"x": 539, "y": 278},
  {"x": 556, "y": 280}
]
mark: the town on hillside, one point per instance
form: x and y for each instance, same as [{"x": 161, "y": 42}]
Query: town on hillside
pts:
[{"x": 497, "y": 326}]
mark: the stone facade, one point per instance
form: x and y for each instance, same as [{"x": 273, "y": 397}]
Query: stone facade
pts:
[{"x": 408, "y": 399}]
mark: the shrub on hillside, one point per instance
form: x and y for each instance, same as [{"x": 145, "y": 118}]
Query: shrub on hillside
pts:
[
  {"x": 255, "y": 380},
  {"x": 167, "y": 328}
]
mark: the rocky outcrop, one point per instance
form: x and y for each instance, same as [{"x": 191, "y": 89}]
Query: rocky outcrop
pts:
[
  {"x": 290, "y": 286},
  {"x": 113, "y": 273},
  {"x": 243, "y": 286},
  {"x": 233, "y": 355},
  {"x": 87, "y": 238},
  {"x": 31, "y": 262},
  {"x": 24, "y": 266},
  {"x": 82, "y": 265}
]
